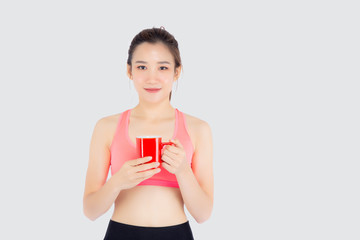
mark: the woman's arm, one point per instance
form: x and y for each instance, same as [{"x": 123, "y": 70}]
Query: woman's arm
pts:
[
  {"x": 99, "y": 195},
  {"x": 196, "y": 184}
]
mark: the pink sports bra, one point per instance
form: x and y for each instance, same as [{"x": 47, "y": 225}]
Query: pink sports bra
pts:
[{"x": 123, "y": 149}]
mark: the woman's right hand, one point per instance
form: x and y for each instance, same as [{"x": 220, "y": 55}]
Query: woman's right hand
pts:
[{"x": 135, "y": 171}]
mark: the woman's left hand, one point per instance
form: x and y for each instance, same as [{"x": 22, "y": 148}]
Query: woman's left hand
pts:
[{"x": 174, "y": 157}]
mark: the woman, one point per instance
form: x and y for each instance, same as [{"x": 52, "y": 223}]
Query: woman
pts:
[{"x": 149, "y": 197}]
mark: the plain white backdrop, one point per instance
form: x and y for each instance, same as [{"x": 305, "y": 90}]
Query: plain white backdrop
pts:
[{"x": 278, "y": 81}]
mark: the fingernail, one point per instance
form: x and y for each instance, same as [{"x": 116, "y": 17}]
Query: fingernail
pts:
[{"x": 149, "y": 158}]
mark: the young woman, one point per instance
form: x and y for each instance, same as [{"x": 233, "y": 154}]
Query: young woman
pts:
[{"x": 149, "y": 197}]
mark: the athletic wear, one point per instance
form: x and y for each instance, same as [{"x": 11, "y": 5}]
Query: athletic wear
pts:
[
  {"x": 123, "y": 149},
  {"x": 123, "y": 231}
]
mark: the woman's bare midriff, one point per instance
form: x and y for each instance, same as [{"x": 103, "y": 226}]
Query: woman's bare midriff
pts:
[{"x": 150, "y": 206}]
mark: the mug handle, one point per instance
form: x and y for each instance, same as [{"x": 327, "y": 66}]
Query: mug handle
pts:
[{"x": 163, "y": 144}]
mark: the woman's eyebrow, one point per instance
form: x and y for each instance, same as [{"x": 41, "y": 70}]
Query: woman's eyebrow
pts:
[
  {"x": 141, "y": 62},
  {"x": 160, "y": 62},
  {"x": 164, "y": 62}
]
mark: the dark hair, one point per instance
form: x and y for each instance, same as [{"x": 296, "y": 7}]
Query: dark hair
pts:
[{"x": 156, "y": 35}]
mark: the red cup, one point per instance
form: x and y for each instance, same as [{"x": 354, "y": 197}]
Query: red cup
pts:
[{"x": 150, "y": 146}]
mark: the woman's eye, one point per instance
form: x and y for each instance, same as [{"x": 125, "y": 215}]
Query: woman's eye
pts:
[
  {"x": 141, "y": 67},
  {"x": 163, "y": 68}
]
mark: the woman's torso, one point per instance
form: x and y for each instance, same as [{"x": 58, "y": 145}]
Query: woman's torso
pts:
[{"x": 148, "y": 205}]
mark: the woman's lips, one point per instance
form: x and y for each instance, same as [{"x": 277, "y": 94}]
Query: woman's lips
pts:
[{"x": 152, "y": 90}]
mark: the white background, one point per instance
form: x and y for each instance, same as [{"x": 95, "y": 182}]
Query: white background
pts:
[{"x": 278, "y": 81}]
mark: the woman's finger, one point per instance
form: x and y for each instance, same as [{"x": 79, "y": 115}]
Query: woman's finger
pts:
[
  {"x": 177, "y": 143},
  {"x": 147, "y": 174},
  {"x": 169, "y": 154},
  {"x": 173, "y": 149},
  {"x": 147, "y": 166},
  {"x": 139, "y": 161},
  {"x": 168, "y": 167},
  {"x": 168, "y": 160}
]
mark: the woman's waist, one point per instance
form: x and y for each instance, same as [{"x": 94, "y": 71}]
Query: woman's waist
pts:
[
  {"x": 150, "y": 206},
  {"x": 149, "y": 220}
]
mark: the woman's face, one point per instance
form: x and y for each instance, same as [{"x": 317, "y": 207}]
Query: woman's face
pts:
[{"x": 153, "y": 72}]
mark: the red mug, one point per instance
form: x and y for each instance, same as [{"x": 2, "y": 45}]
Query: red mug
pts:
[{"x": 150, "y": 146}]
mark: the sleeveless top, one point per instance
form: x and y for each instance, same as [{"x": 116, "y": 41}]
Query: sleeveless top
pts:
[{"x": 123, "y": 149}]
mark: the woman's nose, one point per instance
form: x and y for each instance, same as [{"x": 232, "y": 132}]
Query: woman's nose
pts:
[{"x": 153, "y": 76}]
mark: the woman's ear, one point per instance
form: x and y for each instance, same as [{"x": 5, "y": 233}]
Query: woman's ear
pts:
[
  {"x": 128, "y": 72},
  {"x": 177, "y": 73}
]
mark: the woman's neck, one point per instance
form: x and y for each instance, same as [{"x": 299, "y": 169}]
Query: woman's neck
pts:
[{"x": 154, "y": 111}]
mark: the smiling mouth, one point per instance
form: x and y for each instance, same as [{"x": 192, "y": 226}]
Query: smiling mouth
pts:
[{"x": 152, "y": 90}]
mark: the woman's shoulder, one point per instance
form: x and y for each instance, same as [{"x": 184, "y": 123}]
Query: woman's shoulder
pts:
[
  {"x": 194, "y": 120},
  {"x": 105, "y": 127},
  {"x": 196, "y": 125},
  {"x": 107, "y": 124},
  {"x": 198, "y": 129},
  {"x": 109, "y": 120}
]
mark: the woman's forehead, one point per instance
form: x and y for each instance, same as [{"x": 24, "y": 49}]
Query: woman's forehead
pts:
[{"x": 150, "y": 52}]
